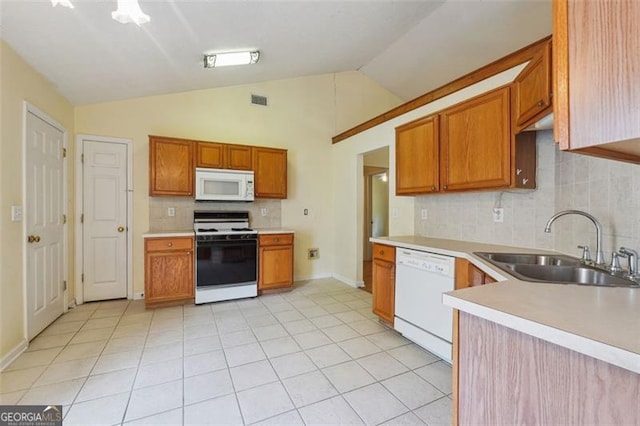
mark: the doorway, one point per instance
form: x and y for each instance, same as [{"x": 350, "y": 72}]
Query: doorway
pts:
[
  {"x": 103, "y": 204},
  {"x": 45, "y": 217},
  {"x": 376, "y": 205}
]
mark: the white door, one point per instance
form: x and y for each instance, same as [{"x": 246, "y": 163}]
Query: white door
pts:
[
  {"x": 104, "y": 225},
  {"x": 44, "y": 223}
]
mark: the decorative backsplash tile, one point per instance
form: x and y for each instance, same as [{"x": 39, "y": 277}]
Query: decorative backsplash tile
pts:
[
  {"x": 159, "y": 220},
  {"x": 609, "y": 190}
]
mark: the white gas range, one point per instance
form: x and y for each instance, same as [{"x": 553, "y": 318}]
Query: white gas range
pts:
[{"x": 226, "y": 256}]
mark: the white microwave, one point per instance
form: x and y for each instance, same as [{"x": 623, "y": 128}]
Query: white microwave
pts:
[{"x": 224, "y": 185}]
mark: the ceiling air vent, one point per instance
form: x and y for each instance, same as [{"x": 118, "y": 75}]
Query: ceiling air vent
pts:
[{"x": 259, "y": 100}]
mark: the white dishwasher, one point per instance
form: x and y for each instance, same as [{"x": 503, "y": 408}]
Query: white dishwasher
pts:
[{"x": 421, "y": 278}]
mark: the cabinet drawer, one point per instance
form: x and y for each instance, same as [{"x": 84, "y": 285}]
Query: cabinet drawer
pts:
[
  {"x": 275, "y": 239},
  {"x": 166, "y": 244},
  {"x": 382, "y": 252}
]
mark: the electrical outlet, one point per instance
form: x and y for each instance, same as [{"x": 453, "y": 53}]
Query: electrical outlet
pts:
[
  {"x": 423, "y": 214},
  {"x": 498, "y": 215},
  {"x": 171, "y": 211},
  {"x": 313, "y": 253},
  {"x": 263, "y": 211},
  {"x": 16, "y": 213}
]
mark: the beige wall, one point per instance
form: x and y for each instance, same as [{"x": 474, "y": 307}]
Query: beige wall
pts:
[
  {"x": 302, "y": 116},
  {"x": 19, "y": 82}
]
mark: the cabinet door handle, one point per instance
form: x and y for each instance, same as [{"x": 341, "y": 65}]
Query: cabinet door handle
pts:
[
  {"x": 445, "y": 187},
  {"x": 169, "y": 244},
  {"x": 540, "y": 103},
  {"x": 433, "y": 188}
]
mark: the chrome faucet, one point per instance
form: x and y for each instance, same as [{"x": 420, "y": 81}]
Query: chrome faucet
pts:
[
  {"x": 599, "y": 253},
  {"x": 632, "y": 255}
]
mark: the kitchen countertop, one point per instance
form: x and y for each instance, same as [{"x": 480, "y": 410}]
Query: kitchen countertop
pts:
[
  {"x": 171, "y": 233},
  {"x": 601, "y": 322},
  {"x": 263, "y": 231}
]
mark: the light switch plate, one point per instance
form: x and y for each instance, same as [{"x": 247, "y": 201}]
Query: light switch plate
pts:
[
  {"x": 16, "y": 213},
  {"x": 423, "y": 214},
  {"x": 171, "y": 211}
]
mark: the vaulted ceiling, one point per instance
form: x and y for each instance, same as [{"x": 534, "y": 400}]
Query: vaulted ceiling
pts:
[{"x": 408, "y": 47}]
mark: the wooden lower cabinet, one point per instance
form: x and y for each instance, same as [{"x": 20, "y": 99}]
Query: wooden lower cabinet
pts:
[
  {"x": 511, "y": 378},
  {"x": 467, "y": 275},
  {"x": 168, "y": 271},
  {"x": 275, "y": 262},
  {"x": 384, "y": 281}
]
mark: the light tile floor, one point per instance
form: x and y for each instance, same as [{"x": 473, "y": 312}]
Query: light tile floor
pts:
[{"x": 315, "y": 355}]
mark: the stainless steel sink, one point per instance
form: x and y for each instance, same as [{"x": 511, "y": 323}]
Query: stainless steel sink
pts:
[
  {"x": 558, "y": 269},
  {"x": 531, "y": 259}
]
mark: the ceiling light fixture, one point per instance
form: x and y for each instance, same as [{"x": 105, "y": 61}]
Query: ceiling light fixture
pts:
[
  {"x": 129, "y": 11},
  {"x": 231, "y": 58},
  {"x": 65, "y": 3}
]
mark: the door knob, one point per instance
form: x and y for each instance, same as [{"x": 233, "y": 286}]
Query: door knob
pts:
[
  {"x": 120, "y": 228},
  {"x": 31, "y": 239},
  {"x": 37, "y": 238}
]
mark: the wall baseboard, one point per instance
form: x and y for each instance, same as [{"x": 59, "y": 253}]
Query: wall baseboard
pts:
[
  {"x": 138, "y": 296},
  {"x": 312, "y": 277},
  {"x": 352, "y": 283},
  {"x": 13, "y": 354}
]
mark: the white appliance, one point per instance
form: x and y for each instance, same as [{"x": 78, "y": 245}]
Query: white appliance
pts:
[
  {"x": 420, "y": 316},
  {"x": 226, "y": 256},
  {"x": 224, "y": 185}
]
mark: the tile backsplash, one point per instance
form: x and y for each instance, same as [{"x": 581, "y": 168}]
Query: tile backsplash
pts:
[
  {"x": 609, "y": 190},
  {"x": 159, "y": 220}
]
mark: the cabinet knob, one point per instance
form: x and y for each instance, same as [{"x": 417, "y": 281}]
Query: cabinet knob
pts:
[
  {"x": 169, "y": 244},
  {"x": 540, "y": 103},
  {"x": 433, "y": 188},
  {"x": 445, "y": 187}
]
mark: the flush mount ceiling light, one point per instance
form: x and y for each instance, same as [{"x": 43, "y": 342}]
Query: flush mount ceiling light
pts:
[
  {"x": 65, "y": 3},
  {"x": 231, "y": 58},
  {"x": 129, "y": 11}
]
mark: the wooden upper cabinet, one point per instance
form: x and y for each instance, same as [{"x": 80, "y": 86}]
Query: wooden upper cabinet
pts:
[
  {"x": 270, "y": 168},
  {"x": 531, "y": 90},
  {"x": 238, "y": 157},
  {"x": 209, "y": 154},
  {"x": 417, "y": 170},
  {"x": 223, "y": 156},
  {"x": 475, "y": 143},
  {"x": 170, "y": 167},
  {"x": 597, "y": 77}
]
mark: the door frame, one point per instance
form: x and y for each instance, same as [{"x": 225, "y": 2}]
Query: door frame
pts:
[
  {"x": 79, "y": 190},
  {"x": 26, "y": 109},
  {"x": 369, "y": 172}
]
